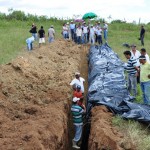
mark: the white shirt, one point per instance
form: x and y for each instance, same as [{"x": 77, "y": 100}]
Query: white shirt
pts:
[
  {"x": 80, "y": 82},
  {"x": 147, "y": 58},
  {"x": 92, "y": 32},
  {"x": 136, "y": 56},
  {"x": 105, "y": 27},
  {"x": 51, "y": 32},
  {"x": 99, "y": 31},
  {"x": 79, "y": 31},
  {"x": 85, "y": 29}
]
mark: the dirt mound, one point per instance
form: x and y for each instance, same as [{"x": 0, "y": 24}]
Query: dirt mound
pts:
[
  {"x": 103, "y": 135},
  {"x": 34, "y": 95}
]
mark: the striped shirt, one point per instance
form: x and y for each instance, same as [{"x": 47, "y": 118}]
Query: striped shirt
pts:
[
  {"x": 130, "y": 67},
  {"x": 77, "y": 112}
]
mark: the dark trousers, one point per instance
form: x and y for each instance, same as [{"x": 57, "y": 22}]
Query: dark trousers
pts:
[{"x": 99, "y": 39}]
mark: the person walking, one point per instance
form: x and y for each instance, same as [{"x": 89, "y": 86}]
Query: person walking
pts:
[
  {"x": 131, "y": 68},
  {"x": 77, "y": 112},
  {"x": 51, "y": 34},
  {"x": 41, "y": 33},
  {"x": 142, "y": 34},
  {"x": 145, "y": 79}
]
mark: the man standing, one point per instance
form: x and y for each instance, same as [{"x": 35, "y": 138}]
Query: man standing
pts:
[
  {"x": 41, "y": 33},
  {"x": 78, "y": 81},
  {"x": 145, "y": 79},
  {"x": 135, "y": 54},
  {"x": 51, "y": 34},
  {"x": 79, "y": 34},
  {"x": 105, "y": 28},
  {"x": 131, "y": 69},
  {"x": 143, "y": 52},
  {"x": 77, "y": 112},
  {"x": 92, "y": 35},
  {"x": 142, "y": 33},
  {"x": 72, "y": 29}
]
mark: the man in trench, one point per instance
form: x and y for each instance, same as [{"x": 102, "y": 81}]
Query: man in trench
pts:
[{"x": 77, "y": 112}]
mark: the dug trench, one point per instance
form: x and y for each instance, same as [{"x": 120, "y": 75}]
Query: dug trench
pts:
[{"x": 35, "y": 100}]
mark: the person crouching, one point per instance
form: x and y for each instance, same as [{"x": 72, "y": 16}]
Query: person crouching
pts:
[{"x": 29, "y": 42}]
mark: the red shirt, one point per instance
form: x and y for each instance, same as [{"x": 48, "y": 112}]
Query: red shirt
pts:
[{"x": 77, "y": 94}]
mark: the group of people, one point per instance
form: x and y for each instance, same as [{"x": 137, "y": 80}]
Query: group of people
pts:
[
  {"x": 39, "y": 35},
  {"x": 138, "y": 70},
  {"x": 83, "y": 33},
  {"x": 78, "y": 108}
]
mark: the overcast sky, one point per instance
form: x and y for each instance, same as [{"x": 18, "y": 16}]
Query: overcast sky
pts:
[{"x": 118, "y": 9}]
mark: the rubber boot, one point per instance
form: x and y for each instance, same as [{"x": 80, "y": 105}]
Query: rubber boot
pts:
[{"x": 74, "y": 145}]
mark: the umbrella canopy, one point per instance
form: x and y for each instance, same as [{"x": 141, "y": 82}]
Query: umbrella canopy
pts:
[
  {"x": 89, "y": 15},
  {"x": 78, "y": 20}
]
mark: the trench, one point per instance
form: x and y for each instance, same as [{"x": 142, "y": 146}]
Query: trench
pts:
[{"x": 83, "y": 68}]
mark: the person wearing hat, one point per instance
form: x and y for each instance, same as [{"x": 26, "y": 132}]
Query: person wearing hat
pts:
[
  {"x": 77, "y": 93},
  {"x": 132, "y": 69},
  {"x": 92, "y": 35},
  {"x": 51, "y": 34},
  {"x": 72, "y": 30},
  {"x": 145, "y": 79},
  {"x": 77, "y": 113},
  {"x": 78, "y": 81},
  {"x": 135, "y": 54}
]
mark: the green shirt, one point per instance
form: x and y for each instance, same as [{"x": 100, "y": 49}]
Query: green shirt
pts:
[{"x": 145, "y": 71}]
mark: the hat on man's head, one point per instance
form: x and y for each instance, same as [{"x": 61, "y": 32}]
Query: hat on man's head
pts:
[
  {"x": 52, "y": 26},
  {"x": 142, "y": 57},
  {"x": 91, "y": 25},
  {"x": 78, "y": 87},
  {"x": 71, "y": 21},
  {"x": 75, "y": 99},
  {"x": 133, "y": 45},
  {"x": 77, "y": 73}
]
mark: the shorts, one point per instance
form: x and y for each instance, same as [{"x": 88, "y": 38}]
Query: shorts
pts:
[{"x": 41, "y": 40}]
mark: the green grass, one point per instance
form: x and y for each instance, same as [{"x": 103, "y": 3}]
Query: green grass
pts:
[{"x": 133, "y": 131}]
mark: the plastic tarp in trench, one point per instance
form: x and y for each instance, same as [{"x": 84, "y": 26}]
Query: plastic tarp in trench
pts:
[{"x": 107, "y": 85}]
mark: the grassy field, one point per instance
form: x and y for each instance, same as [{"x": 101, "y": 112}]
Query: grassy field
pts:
[{"x": 14, "y": 33}]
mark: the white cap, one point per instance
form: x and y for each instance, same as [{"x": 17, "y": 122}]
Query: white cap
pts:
[
  {"x": 75, "y": 99},
  {"x": 77, "y": 73}
]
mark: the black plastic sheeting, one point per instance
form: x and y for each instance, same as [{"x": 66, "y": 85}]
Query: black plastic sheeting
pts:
[{"x": 107, "y": 85}]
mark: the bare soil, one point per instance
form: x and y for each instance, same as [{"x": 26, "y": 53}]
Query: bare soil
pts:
[{"x": 35, "y": 98}]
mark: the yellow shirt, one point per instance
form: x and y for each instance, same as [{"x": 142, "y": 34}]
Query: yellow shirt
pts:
[{"x": 145, "y": 71}]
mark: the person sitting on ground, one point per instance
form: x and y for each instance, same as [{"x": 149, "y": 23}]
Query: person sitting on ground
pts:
[
  {"x": 143, "y": 52},
  {"x": 77, "y": 113},
  {"x": 51, "y": 34},
  {"x": 41, "y": 33},
  {"x": 77, "y": 93},
  {"x": 78, "y": 81},
  {"x": 29, "y": 42},
  {"x": 145, "y": 79}
]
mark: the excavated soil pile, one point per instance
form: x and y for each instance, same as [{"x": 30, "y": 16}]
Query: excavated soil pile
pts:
[
  {"x": 34, "y": 97},
  {"x": 103, "y": 135}
]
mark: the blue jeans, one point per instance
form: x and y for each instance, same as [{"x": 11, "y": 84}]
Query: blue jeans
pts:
[
  {"x": 85, "y": 38},
  {"x": 99, "y": 39},
  {"x": 78, "y": 132},
  {"x": 132, "y": 84},
  {"x": 145, "y": 87},
  {"x": 29, "y": 46},
  {"x": 79, "y": 39},
  {"x": 65, "y": 35},
  {"x": 73, "y": 34},
  {"x": 105, "y": 34},
  {"x": 35, "y": 36},
  {"x": 51, "y": 39}
]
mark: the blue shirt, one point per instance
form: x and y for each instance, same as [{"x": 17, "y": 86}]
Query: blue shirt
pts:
[{"x": 72, "y": 26}]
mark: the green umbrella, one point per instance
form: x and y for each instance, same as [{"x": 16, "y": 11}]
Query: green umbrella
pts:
[{"x": 89, "y": 15}]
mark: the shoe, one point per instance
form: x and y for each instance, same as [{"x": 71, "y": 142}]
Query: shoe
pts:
[{"x": 74, "y": 145}]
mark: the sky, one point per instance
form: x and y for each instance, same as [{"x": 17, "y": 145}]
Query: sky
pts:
[{"x": 126, "y": 10}]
